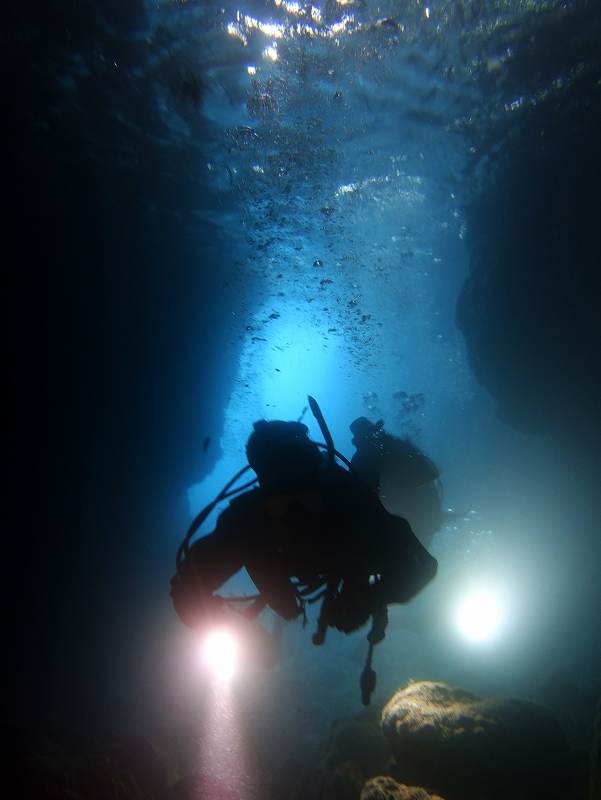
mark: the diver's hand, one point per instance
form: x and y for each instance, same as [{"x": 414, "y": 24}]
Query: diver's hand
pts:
[{"x": 194, "y": 607}]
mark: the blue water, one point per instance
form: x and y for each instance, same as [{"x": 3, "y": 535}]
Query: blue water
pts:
[{"x": 216, "y": 209}]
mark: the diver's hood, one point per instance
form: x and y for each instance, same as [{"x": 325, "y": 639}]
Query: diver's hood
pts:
[
  {"x": 281, "y": 451},
  {"x": 364, "y": 427}
]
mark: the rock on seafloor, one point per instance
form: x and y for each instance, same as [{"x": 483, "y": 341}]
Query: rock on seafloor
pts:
[
  {"x": 458, "y": 744},
  {"x": 384, "y": 788}
]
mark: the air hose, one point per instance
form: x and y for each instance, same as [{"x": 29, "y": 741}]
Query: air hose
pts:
[{"x": 201, "y": 517}]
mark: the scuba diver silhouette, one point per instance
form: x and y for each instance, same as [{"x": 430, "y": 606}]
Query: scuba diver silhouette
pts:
[
  {"x": 311, "y": 530},
  {"x": 406, "y": 480}
]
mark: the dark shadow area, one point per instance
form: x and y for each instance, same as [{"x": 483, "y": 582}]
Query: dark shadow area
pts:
[{"x": 107, "y": 312}]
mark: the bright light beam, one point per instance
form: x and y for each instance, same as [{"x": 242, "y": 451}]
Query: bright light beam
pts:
[
  {"x": 479, "y": 616},
  {"x": 220, "y": 653},
  {"x": 223, "y": 756}
]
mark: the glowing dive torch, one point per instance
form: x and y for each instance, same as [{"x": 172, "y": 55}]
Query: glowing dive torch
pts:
[
  {"x": 480, "y": 615},
  {"x": 220, "y": 653}
]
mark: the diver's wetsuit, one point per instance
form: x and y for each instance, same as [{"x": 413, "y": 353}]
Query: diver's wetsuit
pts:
[{"x": 328, "y": 530}]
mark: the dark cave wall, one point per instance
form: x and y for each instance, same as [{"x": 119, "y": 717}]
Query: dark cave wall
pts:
[{"x": 529, "y": 308}]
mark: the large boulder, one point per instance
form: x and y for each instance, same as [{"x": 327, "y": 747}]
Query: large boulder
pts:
[
  {"x": 457, "y": 744},
  {"x": 383, "y": 788}
]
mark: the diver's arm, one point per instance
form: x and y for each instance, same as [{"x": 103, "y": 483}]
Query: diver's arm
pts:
[
  {"x": 269, "y": 574},
  {"x": 207, "y": 565}
]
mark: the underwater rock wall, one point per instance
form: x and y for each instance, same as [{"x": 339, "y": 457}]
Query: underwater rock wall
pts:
[{"x": 529, "y": 307}]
